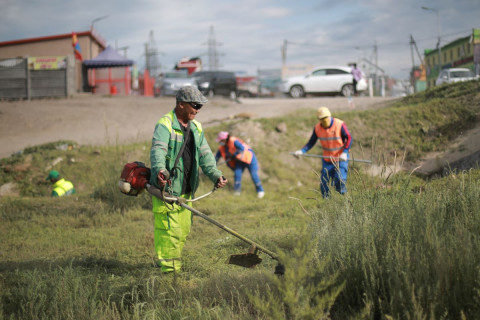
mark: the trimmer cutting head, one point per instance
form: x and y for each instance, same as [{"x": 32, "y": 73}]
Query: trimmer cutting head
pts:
[
  {"x": 246, "y": 260},
  {"x": 251, "y": 259}
]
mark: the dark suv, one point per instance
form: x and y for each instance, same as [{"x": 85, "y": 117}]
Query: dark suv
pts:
[{"x": 212, "y": 83}]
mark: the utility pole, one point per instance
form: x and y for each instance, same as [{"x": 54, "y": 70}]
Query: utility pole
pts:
[
  {"x": 412, "y": 74},
  {"x": 151, "y": 53},
  {"x": 375, "y": 52},
  {"x": 212, "y": 43},
  {"x": 147, "y": 60},
  {"x": 382, "y": 80},
  {"x": 284, "y": 53},
  {"x": 122, "y": 48},
  {"x": 439, "y": 46},
  {"x": 422, "y": 62}
]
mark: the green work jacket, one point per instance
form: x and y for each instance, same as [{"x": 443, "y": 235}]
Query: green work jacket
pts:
[
  {"x": 62, "y": 188},
  {"x": 166, "y": 143}
]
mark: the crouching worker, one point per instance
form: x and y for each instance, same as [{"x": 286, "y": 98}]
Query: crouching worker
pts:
[
  {"x": 238, "y": 156},
  {"x": 61, "y": 187},
  {"x": 179, "y": 149},
  {"x": 335, "y": 140}
]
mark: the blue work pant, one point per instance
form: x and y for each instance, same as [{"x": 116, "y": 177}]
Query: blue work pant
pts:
[
  {"x": 334, "y": 174},
  {"x": 252, "y": 168}
]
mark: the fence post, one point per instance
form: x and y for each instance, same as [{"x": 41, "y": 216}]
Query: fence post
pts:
[{"x": 28, "y": 80}]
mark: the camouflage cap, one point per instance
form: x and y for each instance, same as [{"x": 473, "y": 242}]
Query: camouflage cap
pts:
[{"x": 191, "y": 94}]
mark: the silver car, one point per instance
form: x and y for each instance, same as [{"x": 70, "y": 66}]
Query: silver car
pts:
[
  {"x": 323, "y": 80},
  {"x": 170, "y": 82},
  {"x": 455, "y": 75}
]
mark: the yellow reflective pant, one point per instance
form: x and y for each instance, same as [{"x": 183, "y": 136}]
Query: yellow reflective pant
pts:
[{"x": 171, "y": 230}]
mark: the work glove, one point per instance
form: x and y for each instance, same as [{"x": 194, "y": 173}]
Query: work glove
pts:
[
  {"x": 298, "y": 153},
  {"x": 343, "y": 157}
]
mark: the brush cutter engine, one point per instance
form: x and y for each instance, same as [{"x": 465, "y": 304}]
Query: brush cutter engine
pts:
[{"x": 134, "y": 177}]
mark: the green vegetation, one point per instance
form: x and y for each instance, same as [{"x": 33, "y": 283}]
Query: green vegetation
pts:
[{"x": 394, "y": 247}]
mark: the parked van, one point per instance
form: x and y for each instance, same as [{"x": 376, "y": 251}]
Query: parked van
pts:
[{"x": 212, "y": 83}]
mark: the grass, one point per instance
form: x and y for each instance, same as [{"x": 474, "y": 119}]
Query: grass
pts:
[{"x": 395, "y": 247}]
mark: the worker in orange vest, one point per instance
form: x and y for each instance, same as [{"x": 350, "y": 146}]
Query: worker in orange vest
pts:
[
  {"x": 336, "y": 141},
  {"x": 238, "y": 156}
]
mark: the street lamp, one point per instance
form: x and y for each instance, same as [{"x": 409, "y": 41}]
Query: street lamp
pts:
[
  {"x": 96, "y": 20},
  {"x": 439, "y": 48},
  {"x": 91, "y": 31}
]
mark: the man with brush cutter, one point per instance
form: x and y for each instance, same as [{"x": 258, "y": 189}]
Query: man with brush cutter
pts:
[
  {"x": 179, "y": 149},
  {"x": 336, "y": 141}
]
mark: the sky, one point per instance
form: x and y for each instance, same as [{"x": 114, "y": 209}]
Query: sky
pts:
[{"x": 251, "y": 33}]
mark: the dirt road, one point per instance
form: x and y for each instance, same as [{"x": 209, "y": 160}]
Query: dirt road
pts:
[{"x": 87, "y": 119}]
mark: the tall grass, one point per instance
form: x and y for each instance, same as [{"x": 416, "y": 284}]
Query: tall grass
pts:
[{"x": 405, "y": 254}]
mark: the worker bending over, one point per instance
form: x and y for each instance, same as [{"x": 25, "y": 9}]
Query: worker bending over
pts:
[
  {"x": 238, "y": 155},
  {"x": 61, "y": 187}
]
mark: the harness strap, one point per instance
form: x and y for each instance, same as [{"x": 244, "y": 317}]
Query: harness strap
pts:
[{"x": 182, "y": 149}]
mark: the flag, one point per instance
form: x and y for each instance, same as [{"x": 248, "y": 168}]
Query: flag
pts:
[{"x": 76, "y": 47}]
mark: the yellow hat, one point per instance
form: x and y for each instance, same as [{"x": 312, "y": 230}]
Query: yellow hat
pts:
[{"x": 323, "y": 112}]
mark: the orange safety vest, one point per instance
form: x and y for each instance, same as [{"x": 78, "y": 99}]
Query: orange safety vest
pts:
[
  {"x": 331, "y": 139},
  {"x": 245, "y": 156}
]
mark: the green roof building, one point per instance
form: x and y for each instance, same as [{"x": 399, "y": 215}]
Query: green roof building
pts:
[{"x": 460, "y": 53}]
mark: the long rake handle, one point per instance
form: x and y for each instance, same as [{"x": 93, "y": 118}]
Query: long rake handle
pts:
[{"x": 227, "y": 229}]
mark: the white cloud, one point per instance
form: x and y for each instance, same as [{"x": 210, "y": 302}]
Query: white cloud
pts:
[
  {"x": 252, "y": 31},
  {"x": 274, "y": 12}
]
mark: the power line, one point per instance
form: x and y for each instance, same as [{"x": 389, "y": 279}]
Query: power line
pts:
[{"x": 385, "y": 44}]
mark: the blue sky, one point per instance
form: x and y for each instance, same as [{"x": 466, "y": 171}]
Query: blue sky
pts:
[{"x": 251, "y": 32}]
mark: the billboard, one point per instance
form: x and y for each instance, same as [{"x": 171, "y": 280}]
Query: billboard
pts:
[{"x": 47, "y": 63}]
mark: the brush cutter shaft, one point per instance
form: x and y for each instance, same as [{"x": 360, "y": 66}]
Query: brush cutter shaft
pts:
[
  {"x": 325, "y": 157},
  {"x": 181, "y": 202},
  {"x": 232, "y": 232}
]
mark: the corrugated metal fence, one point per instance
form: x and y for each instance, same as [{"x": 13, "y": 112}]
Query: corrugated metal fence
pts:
[{"x": 19, "y": 80}]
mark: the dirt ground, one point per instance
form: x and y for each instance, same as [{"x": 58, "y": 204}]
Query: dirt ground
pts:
[{"x": 93, "y": 120}]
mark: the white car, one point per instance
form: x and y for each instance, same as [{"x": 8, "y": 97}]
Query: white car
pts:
[
  {"x": 455, "y": 75},
  {"x": 323, "y": 80}
]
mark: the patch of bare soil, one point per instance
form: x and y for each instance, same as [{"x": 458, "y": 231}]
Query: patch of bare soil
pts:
[{"x": 463, "y": 154}]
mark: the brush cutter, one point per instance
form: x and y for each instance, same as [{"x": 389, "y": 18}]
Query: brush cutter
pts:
[
  {"x": 327, "y": 157},
  {"x": 134, "y": 179}
]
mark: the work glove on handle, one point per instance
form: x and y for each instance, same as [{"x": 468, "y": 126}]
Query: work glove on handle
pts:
[
  {"x": 343, "y": 157},
  {"x": 298, "y": 153}
]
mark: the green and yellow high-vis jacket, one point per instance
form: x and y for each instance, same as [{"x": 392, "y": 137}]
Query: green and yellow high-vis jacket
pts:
[{"x": 166, "y": 143}]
